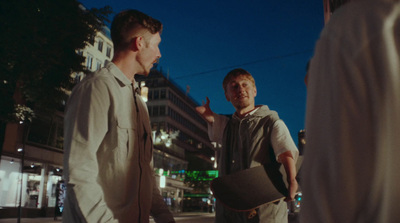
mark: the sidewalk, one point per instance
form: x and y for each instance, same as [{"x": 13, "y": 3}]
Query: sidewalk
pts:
[
  {"x": 31, "y": 220},
  {"x": 51, "y": 219}
]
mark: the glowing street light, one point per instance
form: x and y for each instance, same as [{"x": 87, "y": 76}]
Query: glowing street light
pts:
[{"x": 162, "y": 182}]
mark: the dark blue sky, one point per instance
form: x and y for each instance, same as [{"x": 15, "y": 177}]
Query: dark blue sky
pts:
[{"x": 203, "y": 40}]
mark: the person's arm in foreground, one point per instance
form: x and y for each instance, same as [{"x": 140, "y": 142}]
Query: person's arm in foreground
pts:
[
  {"x": 289, "y": 164},
  {"x": 287, "y": 154}
]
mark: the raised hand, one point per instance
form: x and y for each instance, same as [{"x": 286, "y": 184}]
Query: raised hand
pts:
[{"x": 206, "y": 112}]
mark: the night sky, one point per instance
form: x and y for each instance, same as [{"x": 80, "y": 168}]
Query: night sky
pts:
[{"x": 203, "y": 40}]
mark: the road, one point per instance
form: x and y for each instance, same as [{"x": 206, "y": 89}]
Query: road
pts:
[
  {"x": 194, "y": 218},
  {"x": 209, "y": 218},
  {"x": 179, "y": 218}
]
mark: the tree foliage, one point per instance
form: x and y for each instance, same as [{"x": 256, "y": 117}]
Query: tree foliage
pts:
[{"x": 38, "y": 51}]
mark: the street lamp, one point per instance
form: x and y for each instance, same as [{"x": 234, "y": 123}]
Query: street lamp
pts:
[
  {"x": 162, "y": 178},
  {"x": 21, "y": 150}
]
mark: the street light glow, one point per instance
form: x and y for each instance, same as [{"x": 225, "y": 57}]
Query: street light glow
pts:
[{"x": 162, "y": 182}]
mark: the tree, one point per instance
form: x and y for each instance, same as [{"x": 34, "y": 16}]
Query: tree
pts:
[{"x": 38, "y": 52}]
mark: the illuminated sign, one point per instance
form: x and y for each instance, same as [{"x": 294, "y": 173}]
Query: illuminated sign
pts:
[{"x": 207, "y": 175}]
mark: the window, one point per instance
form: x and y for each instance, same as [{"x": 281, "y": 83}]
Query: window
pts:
[
  {"x": 98, "y": 65},
  {"x": 89, "y": 61},
  {"x": 155, "y": 111},
  {"x": 100, "y": 46},
  {"x": 156, "y": 94},
  {"x": 163, "y": 93},
  {"x": 108, "y": 52},
  {"x": 155, "y": 83},
  {"x": 91, "y": 40},
  {"x": 162, "y": 110}
]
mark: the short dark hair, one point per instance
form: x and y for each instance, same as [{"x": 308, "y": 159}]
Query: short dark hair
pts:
[
  {"x": 235, "y": 73},
  {"x": 335, "y": 4},
  {"x": 126, "y": 21}
]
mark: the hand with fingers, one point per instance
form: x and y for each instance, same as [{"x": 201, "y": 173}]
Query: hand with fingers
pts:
[
  {"x": 292, "y": 190},
  {"x": 251, "y": 214},
  {"x": 206, "y": 112}
]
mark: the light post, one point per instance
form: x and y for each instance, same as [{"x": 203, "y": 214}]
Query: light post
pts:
[
  {"x": 23, "y": 115},
  {"x": 21, "y": 150}
]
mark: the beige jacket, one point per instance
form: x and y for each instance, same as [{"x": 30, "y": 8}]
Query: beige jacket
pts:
[
  {"x": 351, "y": 168},
  {"x": 108, "y": 153}
]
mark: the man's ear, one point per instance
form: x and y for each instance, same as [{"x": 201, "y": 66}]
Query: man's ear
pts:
[
  {"x": 137, "y": 43},
  {"x": 255, "y": 91}
]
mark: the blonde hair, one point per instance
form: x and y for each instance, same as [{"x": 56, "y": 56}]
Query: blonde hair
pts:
[{"x": 235, "y": 73}]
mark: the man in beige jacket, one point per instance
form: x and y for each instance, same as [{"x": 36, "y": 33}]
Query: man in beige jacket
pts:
[
  {"x": 351, "y": 163},
  {"x": 107, "y": 134}
]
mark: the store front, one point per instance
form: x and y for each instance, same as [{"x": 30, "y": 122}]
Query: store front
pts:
[
  {"x": 34, "y": 190},
  {"x": 172, "y": 190}
]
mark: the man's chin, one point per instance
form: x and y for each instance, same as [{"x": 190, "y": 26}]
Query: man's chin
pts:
[
  {"x": 243, "y": 104},
  {"x": 144, "y": 73}
]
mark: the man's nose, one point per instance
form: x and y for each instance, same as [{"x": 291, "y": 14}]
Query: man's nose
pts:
[
  {"x": 159, "y": 54},
  {"x": 240, "y": 88}
]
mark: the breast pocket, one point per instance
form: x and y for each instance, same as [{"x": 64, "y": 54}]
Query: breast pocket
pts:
[{"x": 125, "y": 130}]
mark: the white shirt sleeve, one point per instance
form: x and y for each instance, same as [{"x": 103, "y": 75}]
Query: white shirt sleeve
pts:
[
  {"x": 282, "y": 141},
  {"x": 216, "y": 129}
]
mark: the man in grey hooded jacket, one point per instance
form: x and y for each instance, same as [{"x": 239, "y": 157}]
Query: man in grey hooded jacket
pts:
[{"x": 254, "y": 136}]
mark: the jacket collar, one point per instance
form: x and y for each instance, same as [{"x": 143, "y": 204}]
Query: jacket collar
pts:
[
  {"x": 260, "y": 110},
  {"x": 117, "y": 73}
]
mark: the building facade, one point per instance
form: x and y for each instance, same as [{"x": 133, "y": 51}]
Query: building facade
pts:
[
  {"x": 32, "y": 155},
  {"x": 179, "y": 135},
  {"x": 31, "y": 163},
  {"x": 98, "y": 52}
]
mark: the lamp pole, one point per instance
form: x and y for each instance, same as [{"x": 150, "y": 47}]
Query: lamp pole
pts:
[{"x": 22, "y": 151}]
